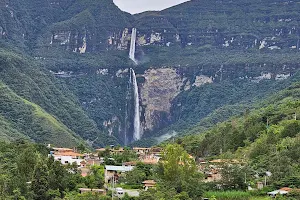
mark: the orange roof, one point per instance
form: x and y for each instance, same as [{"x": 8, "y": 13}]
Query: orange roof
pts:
[
  {"x": 149, "y": 182},
  {"x": 149, "y": 185},
  {"x": 68, "y": 154},
  {"x": 286, "y": 189},
  {"x": 150, "y": 161}
]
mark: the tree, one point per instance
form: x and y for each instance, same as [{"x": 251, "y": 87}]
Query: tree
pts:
[
  {"x": 40, "y": 185},
  {"x": 56, "y": 176},
  {"x": 178, "y": 170},
  {"x": 96, "y": 177},
  {"x": 136, "y": 176},
  {"x": 233, "y": 177}
]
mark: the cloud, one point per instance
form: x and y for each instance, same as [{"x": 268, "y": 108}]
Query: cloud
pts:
[{"x": 137, "y": 6}]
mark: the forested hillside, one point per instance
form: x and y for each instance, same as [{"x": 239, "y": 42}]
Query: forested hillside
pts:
[
  {"x": 267, "y": 137},
  {"x": 200, "y": 62},
  {"x": 38, "y": 107}
]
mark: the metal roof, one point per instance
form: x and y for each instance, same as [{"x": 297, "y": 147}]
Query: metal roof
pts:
[{"x": 118, "y": 168}]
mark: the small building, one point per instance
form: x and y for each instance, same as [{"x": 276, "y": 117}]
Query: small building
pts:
[
  {"x": 117, "y": 151},
  {"x": 114, "y": 151},
  {"x": 150, "y": 160},
  {"x": 149, "y": 184},
  {"x": 212, "y": 176},
  {"x": 67, "y": 156},
  {"x": 115, "y": 171},
  {"x": 82, "y": 164},
  {"x": 260, "y": 185},
  {"x": 141, "y": 150},
  {"x": 131, "y": 163}
]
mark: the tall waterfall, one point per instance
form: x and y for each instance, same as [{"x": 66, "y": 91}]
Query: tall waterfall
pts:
[
  {"x": 132, "y": 46},
  {"x": 137, "y": 123}
]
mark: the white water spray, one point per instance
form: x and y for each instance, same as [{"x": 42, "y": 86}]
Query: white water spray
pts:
[
  {"x": 137, "y": 123},
  {"x": 132, "y": 46}
]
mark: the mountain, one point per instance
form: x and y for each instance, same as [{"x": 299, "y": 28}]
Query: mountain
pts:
[
  {"x": 199, "y": 62},
  {"x": 265, "y": 137}
]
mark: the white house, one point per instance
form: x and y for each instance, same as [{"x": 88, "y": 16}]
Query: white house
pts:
[{"x": 67, "y": 156}]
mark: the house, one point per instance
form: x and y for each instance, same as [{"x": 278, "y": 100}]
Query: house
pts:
[
  {"x": 117, "y": 151},
  {"x": 141, "y": 150},
  {"x": 114, "y": 151},
  {"x": 212, "y": 175},
  {"x": 62, "y": 149},
  {"x": 115, "y": 171},
  {"x": 66, "y": 156},
  {"x": 149, "y": 184},
  {"x": 131, "y": 163},
  {"x": 150, "y": 160},
  {"x": 83, "y": 164}
]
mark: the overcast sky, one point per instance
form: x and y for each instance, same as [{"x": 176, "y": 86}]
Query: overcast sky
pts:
[{"x": 137, "y": 6}]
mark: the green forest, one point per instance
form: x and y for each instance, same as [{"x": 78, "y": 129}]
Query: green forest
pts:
[{"x": 66, "y": 81}]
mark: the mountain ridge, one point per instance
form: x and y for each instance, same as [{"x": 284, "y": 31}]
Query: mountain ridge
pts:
[{"x": 82, "y": 47}]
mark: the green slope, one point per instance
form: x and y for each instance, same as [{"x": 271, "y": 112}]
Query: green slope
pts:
[
  {"x": 30, "y": 81},
  {"x": 32, "y": 121},
  {"x": 266, "y": 137}
]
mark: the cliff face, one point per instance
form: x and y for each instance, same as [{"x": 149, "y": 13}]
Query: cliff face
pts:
[
  {"x": 191, "y": 55},
  {"x": 161, "y": 86}
]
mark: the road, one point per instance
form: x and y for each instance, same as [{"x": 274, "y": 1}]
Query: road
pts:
[{"x": 132, "y": 193}]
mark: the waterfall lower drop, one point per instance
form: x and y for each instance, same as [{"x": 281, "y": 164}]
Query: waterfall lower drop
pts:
[
  {"x": 132, "y": 46},
  {"x": 137, "y": 123}
]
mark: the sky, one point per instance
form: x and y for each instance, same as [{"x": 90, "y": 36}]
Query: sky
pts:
[{"x": 138, "y": 6}]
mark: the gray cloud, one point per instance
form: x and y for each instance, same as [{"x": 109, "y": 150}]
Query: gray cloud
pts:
[{"x": 137, "y": 6}]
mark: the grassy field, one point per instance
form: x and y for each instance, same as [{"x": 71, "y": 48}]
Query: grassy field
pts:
[{"x": 234, "y": 195}]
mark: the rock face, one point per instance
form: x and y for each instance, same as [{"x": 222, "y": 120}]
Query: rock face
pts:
[
  {"x": 201, "y": 42},
  {"x": 161, "y": 86}
]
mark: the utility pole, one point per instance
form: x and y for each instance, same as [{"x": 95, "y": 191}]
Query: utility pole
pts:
[{"x": 112, "y": 190}]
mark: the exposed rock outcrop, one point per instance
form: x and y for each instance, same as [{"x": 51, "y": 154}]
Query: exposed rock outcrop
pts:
[{"x": 160, "y": 88}]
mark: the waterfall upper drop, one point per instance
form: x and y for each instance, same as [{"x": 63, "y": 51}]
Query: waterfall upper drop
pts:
[
  {"x": 132, "y": 46},
  {"x": 137, "y": 124}
]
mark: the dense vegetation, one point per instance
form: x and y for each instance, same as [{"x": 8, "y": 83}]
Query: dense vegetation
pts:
[
  {"x": 38, "y": 107},
  {"x": 265, "y": 138},
  {"x": 27, "y": 173}
]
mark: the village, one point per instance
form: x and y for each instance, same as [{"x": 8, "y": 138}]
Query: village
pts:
[
  {"x": 118, "y": 162},
  {"x": 114, "y": 169}
]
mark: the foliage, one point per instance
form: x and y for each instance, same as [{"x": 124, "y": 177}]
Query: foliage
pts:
[
  {"x": 176, "y": 175},
  {"x": 267, "y": 138},
  {"x": 229, "y": 195},
  {"x": 140, "y": 173},
  {"x": 46, "y": 110},
  {"x": 28, "y": 173}
]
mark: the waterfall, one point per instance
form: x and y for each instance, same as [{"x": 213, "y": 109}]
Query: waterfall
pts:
[
  {"x": 137, "y": 123},
  {"x": 127, "y": 107},
  {"x": 132, "y": 46}
]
